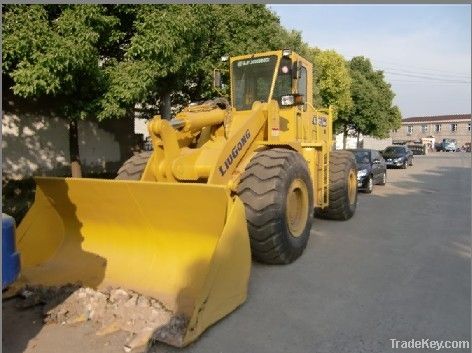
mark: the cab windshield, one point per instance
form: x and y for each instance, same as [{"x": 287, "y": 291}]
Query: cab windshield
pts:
[{"x": 252, "y": 80}]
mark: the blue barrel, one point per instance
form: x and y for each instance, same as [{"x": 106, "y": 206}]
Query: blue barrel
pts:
[{"x": 10, "y": 257}]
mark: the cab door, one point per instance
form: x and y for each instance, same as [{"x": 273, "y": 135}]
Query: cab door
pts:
[{"x": 303, "y": 86}]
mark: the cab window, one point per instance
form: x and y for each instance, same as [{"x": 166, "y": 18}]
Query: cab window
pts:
[
  {"x": 283, "y": 83},
  {"x": 302, "y": 83}
]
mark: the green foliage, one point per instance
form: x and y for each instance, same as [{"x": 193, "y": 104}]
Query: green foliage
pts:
[
  {"x": 372, "y": 112},
  {"x": 331, "y": 79},
  {"x": 175, "y": 47},
  {"x": 54, "y": 51}
]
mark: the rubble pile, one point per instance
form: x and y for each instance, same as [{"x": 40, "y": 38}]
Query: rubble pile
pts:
[{"x": 113, "y": 309}]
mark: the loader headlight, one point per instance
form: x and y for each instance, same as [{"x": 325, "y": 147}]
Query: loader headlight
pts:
[
  {"x": 361, "y": 173},
  {"x": 292, "y": 99},
  {"x": 287, "y": 100}
]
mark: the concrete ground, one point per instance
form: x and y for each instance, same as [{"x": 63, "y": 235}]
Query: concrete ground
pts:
[{"x": 400, "y": 269}]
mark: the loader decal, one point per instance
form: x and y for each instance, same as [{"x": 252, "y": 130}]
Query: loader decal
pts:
[{"x": 234, "y": 153}]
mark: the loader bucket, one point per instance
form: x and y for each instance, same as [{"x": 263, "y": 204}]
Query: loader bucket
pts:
[{"x": 185, "y": 245}]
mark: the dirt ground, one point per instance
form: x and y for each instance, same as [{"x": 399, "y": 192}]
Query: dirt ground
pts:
[{"x": 24, "y": 331}]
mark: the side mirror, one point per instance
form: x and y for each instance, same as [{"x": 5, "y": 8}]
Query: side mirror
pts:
[{"x": 217, "y": 79}]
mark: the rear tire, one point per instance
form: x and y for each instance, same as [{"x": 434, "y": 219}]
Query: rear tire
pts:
[
  {"x": 370, "y": 185},
  {"x": 276, "y": 189},
  {"x": 133, "y": 168},
  {"x": 383, "y": 181},
  {"x": 342, "y": 187}
]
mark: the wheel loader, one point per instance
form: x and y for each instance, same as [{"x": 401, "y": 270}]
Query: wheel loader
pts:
[{"x": 225, "y": 182}]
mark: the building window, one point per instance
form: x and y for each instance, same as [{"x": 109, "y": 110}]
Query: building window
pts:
[
  {"x": 468, "y": 127},
  {"x": 424, "y": 129},
  {"x": 409, "y": 129},
  {"x": 453, "y": 127},
  {"x": 437, "y": 127}
]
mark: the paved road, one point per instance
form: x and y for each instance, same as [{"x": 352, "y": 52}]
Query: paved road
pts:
[{"x": 401, "y": 268}]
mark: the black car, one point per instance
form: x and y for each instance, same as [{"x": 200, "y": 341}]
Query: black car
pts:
[
  {"x": 371, "y": 169},
  {"x": 398, "y": 157}
]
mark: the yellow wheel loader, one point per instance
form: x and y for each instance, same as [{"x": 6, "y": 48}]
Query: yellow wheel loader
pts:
[{"x": 223, "y": 182}]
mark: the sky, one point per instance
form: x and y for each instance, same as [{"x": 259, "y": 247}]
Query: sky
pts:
[{"x": 424, "y": 50}]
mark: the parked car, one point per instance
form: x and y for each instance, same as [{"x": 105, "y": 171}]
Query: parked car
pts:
[
  {"x": 448, "y": 145},
  {"x": 398, "y": 157},
  {"x": 371, "y": 169}
]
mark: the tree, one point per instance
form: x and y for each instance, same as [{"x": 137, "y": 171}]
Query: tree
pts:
[
  {"x": 175, "y": 48},
  {"x": 372, "y": 112},
  {"x": 332, "y": 81},
  {"x": 102, "y": 60},
  {"x": 57, "y": 51}
]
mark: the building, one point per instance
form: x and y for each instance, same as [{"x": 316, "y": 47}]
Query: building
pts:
[{"x": 435, "y": 127}]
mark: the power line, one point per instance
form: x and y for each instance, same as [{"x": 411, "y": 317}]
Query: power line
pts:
[
  {"x": 422, "y": 68},
  {"x": 426, "y": 82},
  {"x": 429, "y": 74},
  {"x": 416, "y": 68},
  {"x": 426, "y": 77}
]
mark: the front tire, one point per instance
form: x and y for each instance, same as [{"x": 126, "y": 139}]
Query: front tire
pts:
[
  {"x": 342, "y": 187},
  {"x": 277, "y": 192}
]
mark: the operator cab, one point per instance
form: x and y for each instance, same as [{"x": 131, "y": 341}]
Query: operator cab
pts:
[{"x": 280, "y": 76}]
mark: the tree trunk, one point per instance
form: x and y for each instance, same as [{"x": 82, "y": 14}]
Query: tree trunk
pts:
[
  {"x": 357, "y": 139},
  {"x": 165, "y": 106},
  {"x": 75, "y": 166},
  {"x": 344, "y": 136}
]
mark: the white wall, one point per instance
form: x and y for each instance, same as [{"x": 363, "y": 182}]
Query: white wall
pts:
[
  {"x": 351, "y": 142},
  {"x": 140, "y": 127},
  {"x": 377, "y": 144},
  {"x": 39, "y": 145},
  {"x": 365, "y": 141}
]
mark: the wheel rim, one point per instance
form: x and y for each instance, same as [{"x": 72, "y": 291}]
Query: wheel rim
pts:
[
  {"x": 352, "y": 186},
  {"x": 297, "y": 207}
]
